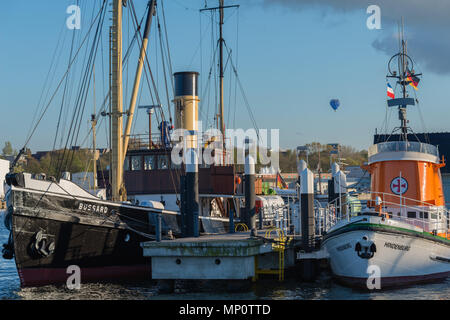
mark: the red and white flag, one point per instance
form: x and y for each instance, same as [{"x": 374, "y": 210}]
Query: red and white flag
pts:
[{"x": 390, "y": 91}]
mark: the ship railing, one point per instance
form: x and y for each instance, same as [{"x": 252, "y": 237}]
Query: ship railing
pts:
[
  {"x": 278, "y": 216},
  {"x": 341, "y": 208},
  {"x": 142, "y": 142},
  {"x": 399, "y": 199},
  {"x": 411, "y": 146},
  {"x": 432, "y": 219}
]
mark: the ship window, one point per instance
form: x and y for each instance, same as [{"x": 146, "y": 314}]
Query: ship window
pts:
[
  {"x": 163, "y": 162},
  {"x": 434, "y": 216},
  {"x": 412, "y": 214},
  {"x": 126, "y": 164},
  {"x": 136, "y": 163},
  {"x": 149, "y": 162},
  {"x": 424, "y": 215}
]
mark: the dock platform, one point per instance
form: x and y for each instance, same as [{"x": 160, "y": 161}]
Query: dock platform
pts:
[
  {"x": 224, "y": 256},
  {"x": 218, "y": 256}
]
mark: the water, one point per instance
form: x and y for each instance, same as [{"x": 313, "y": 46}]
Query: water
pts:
[{"x": 323, "y": 288}]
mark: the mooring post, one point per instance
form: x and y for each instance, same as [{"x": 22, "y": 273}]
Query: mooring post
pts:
[
  {"x": 261, "y": 217},
  {"x": 192, "y": 198},
  {"x": 249, "y": 170},
  {"x": 231, "y": 228},
  {"x": 307, "y": 208},
  {"x": 337, "y": 189},
  {"x": 158, "y": 227},
  {"x": 183, "y": 205},
  {"x": 340, "y": 181},
  {"x": 298, "y": 223},
  {"x": 309, "y": 266}
]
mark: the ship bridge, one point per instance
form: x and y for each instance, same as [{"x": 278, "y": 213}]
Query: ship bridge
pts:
[{"x": 403, "y": 150}]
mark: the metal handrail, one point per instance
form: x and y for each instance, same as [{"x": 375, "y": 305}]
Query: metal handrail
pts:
[
  {"x": 426, "y": 224},
  {"x": 399, "y": 197}
]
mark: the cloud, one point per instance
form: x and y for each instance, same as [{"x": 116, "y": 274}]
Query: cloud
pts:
[{"x": 427, "y": 25}]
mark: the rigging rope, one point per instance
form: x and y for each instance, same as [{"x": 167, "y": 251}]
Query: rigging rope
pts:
[
  {"x": 80, "y": 103},
  {"x": 60, "y": 82},
  {"x": 252, "y": 117}
]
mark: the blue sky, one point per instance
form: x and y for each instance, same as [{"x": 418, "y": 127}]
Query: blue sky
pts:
[{"x": 291, "y": 61}]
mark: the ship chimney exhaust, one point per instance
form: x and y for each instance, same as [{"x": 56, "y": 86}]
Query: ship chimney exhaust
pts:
[{"x": 186, "y": 117}]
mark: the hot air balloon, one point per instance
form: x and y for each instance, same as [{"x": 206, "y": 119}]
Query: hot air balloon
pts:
[{"x": 334, "y": 103}]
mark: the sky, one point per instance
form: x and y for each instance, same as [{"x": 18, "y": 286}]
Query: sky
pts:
[{"x": 291, "y": 56}]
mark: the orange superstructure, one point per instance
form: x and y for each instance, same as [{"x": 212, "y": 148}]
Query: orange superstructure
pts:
[{"x": 406, "y": 172}]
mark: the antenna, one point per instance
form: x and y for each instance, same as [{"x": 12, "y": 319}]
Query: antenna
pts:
[{"x": 404, "y": 78}]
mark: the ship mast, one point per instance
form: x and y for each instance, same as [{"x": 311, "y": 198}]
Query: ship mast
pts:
[
  {"x": 404, "y": 78},
  {"x": 94, "y": 148},
  {"x": 221, "y": 124},
  {"x": 142, "y": 57},
  {"x": 117, "y": 104},
  {"x": 221, "y": 41},
  {"x": 403, "y": 74}
]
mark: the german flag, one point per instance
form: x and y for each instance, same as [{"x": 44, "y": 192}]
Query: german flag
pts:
[
  {"x": 281, "y": 184},
  {"x": 412, "y": 79}
]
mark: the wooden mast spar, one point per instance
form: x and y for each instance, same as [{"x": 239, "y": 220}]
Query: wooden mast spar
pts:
[
  {"x": 119, "y": 138},
  {"x": 117, "y": 104}
]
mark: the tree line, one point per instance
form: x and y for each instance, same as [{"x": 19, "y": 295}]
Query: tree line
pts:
[
  {"x": 81, "y": 160},
  {"x": 52, "y": 163},
  {"x": 321, "y": 156}
]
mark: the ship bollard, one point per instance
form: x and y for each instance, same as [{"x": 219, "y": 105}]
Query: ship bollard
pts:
[
  {"x": 307, "y": 209},
  {"x": 261, "y": 217},
  {"x": 250, "y": 209},
  {"x": 158, "y": 227}
]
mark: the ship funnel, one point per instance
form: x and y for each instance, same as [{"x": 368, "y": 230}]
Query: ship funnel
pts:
[{"x": 186, "y": 100}]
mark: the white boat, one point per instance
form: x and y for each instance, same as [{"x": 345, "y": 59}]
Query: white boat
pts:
[
  {"x": 402, "y": 237},
  {"x": 401, "y": 252}
]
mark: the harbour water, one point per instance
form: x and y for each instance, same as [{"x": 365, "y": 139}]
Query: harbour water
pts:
[{"x": 324, "y": 288}]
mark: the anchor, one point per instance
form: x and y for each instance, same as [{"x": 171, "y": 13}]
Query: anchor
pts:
[{"x": 365, "y": 249}]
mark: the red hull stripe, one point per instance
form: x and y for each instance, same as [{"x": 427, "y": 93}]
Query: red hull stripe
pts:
[{"x": 45, "y": 276}]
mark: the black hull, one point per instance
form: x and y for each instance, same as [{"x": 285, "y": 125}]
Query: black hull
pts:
[
  {"x": 52, "y": 232},
  {"x": 102, "y": 253}
]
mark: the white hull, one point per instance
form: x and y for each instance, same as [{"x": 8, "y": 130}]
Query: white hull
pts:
[{"x": 401, "y": 256}]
